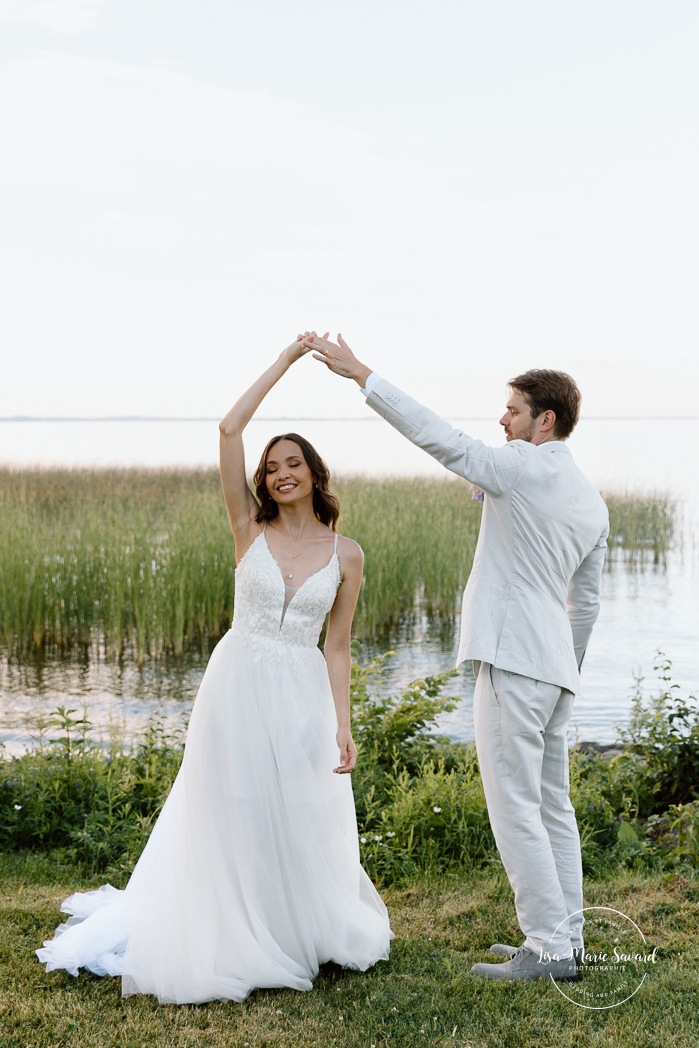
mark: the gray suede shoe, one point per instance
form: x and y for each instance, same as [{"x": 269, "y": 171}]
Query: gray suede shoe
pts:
[
  {"x": 525, "y": 964},
  {"x": 502, "y": 950},
  {"x": 509, "y": 951}
]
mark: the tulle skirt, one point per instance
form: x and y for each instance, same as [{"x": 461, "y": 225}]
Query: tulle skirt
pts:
[{"x": 251, "y": 876}]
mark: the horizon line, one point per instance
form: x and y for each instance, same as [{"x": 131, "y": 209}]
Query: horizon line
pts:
[{"x": 317, "y": 418}]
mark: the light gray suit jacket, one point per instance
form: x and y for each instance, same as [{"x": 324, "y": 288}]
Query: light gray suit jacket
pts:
[{"x": 533, "y": 594}]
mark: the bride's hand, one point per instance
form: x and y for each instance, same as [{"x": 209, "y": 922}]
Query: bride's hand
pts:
[
  {"x": 298, "y": 348},
  {"x": 348, "y": 753}
]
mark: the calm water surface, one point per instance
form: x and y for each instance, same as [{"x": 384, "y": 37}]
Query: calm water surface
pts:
[{"x": 644, "y": 610}]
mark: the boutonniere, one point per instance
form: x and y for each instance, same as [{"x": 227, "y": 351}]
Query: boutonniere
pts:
[{"x": 477, "y": 494}]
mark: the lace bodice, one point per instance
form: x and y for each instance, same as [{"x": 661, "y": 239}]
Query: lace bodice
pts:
[{"x": 261, "y": 609}]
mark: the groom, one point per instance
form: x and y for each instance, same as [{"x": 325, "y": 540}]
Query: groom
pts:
[{"x": 528, "y": 610}]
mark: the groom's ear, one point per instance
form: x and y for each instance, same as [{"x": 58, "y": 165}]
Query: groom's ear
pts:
[{"x": 548, "y": 422}]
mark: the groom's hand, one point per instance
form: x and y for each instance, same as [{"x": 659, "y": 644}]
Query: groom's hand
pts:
[{"x": 338, "y": 357}]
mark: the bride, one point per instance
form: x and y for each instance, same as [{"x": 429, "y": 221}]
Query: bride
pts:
[{"x": 251, "y": 876}]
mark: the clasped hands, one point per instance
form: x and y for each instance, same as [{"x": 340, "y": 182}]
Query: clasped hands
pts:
[{"x": 337, "y": 356}]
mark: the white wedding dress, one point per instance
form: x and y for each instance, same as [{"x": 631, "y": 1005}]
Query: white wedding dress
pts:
[{"x": 251, "y": 876}]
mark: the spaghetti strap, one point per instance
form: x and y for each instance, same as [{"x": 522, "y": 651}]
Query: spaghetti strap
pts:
[{"x": 335, "y": 545}]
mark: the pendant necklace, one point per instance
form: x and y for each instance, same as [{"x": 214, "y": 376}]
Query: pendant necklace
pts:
[{"x": 295, "y": 555}]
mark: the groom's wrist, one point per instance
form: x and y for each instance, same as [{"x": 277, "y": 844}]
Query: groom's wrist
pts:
[
  {"x": 369, "y": 383},
  {"x": 361, "y": 376},
  {"x": 366, "y": 379}
]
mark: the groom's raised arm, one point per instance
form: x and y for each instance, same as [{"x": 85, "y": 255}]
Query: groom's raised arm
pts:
[{"x": 492, "y": 469}]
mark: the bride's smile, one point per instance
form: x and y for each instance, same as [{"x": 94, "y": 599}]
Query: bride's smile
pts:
[{"x": 287, "y": 472}]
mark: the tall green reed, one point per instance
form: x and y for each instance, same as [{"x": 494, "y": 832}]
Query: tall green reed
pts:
[
  {"x": 419, "y": 536},
  {"x": 643, "y": 526},
  {"x": 140, "y": 563},
  {"x": 130, "y": 561}
]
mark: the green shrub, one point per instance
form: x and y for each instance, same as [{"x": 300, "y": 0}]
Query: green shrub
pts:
[
  {"x": 640, "y": 805},
  {"x": 397, "y": 729},
  {"x": 97, "y": 801},
  {"x": 419, "y": 798},
  {"x": 431, "y": 821},
  {"x": 661, "y": 747},
  {"x": 591, "y": 791},
  {"x": 674, "y": 835}
]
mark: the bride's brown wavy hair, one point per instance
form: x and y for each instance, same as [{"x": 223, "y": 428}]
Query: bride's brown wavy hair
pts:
[{"x": 326, "y": 506}]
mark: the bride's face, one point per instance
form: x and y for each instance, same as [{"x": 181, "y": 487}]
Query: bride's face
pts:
[{"x": 287, "y": 475}]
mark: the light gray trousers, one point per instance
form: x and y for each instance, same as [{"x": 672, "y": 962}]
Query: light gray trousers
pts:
[{"x": 522, "y": 743}]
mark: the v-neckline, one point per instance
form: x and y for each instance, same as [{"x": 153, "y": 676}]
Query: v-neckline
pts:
[{"x": 287, "y": 604}]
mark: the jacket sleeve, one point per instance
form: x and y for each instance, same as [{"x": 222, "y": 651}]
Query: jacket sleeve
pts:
[
  {"x": 492, "y": 469},
  {"x": 584, "y": 596}
]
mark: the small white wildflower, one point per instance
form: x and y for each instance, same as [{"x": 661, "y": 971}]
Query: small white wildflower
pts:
[
  {"x": 436, "y": 809},
  {"x": 378, "y": 837},
  {"x": 390, "y": 833},
  {"x": 362, "y": 840},
  {"x": 18, "y": 807}
]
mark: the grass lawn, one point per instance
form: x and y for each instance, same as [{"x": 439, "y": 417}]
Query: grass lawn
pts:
[{"x": 423, "y": 996}]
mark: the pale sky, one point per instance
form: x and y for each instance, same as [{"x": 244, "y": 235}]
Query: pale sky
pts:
[{"x": 464, "y": 188}]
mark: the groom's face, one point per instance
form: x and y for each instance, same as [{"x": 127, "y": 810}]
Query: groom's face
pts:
[{"x": 517, "y": 420}]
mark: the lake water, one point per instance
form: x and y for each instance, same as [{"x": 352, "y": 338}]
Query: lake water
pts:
[{"x": 649, "y": 609}]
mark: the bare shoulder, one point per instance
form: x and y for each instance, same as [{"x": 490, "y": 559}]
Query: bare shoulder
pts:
[{"x": 351, "y": 555}]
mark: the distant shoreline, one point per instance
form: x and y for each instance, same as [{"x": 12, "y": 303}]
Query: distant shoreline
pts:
[{"x": 319, "y": 418}]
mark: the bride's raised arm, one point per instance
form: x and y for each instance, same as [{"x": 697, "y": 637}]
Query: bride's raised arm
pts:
[{"x": 240, "y": 501}]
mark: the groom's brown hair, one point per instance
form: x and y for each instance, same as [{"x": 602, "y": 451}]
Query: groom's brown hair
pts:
[{"x": 545, "y": 390}]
